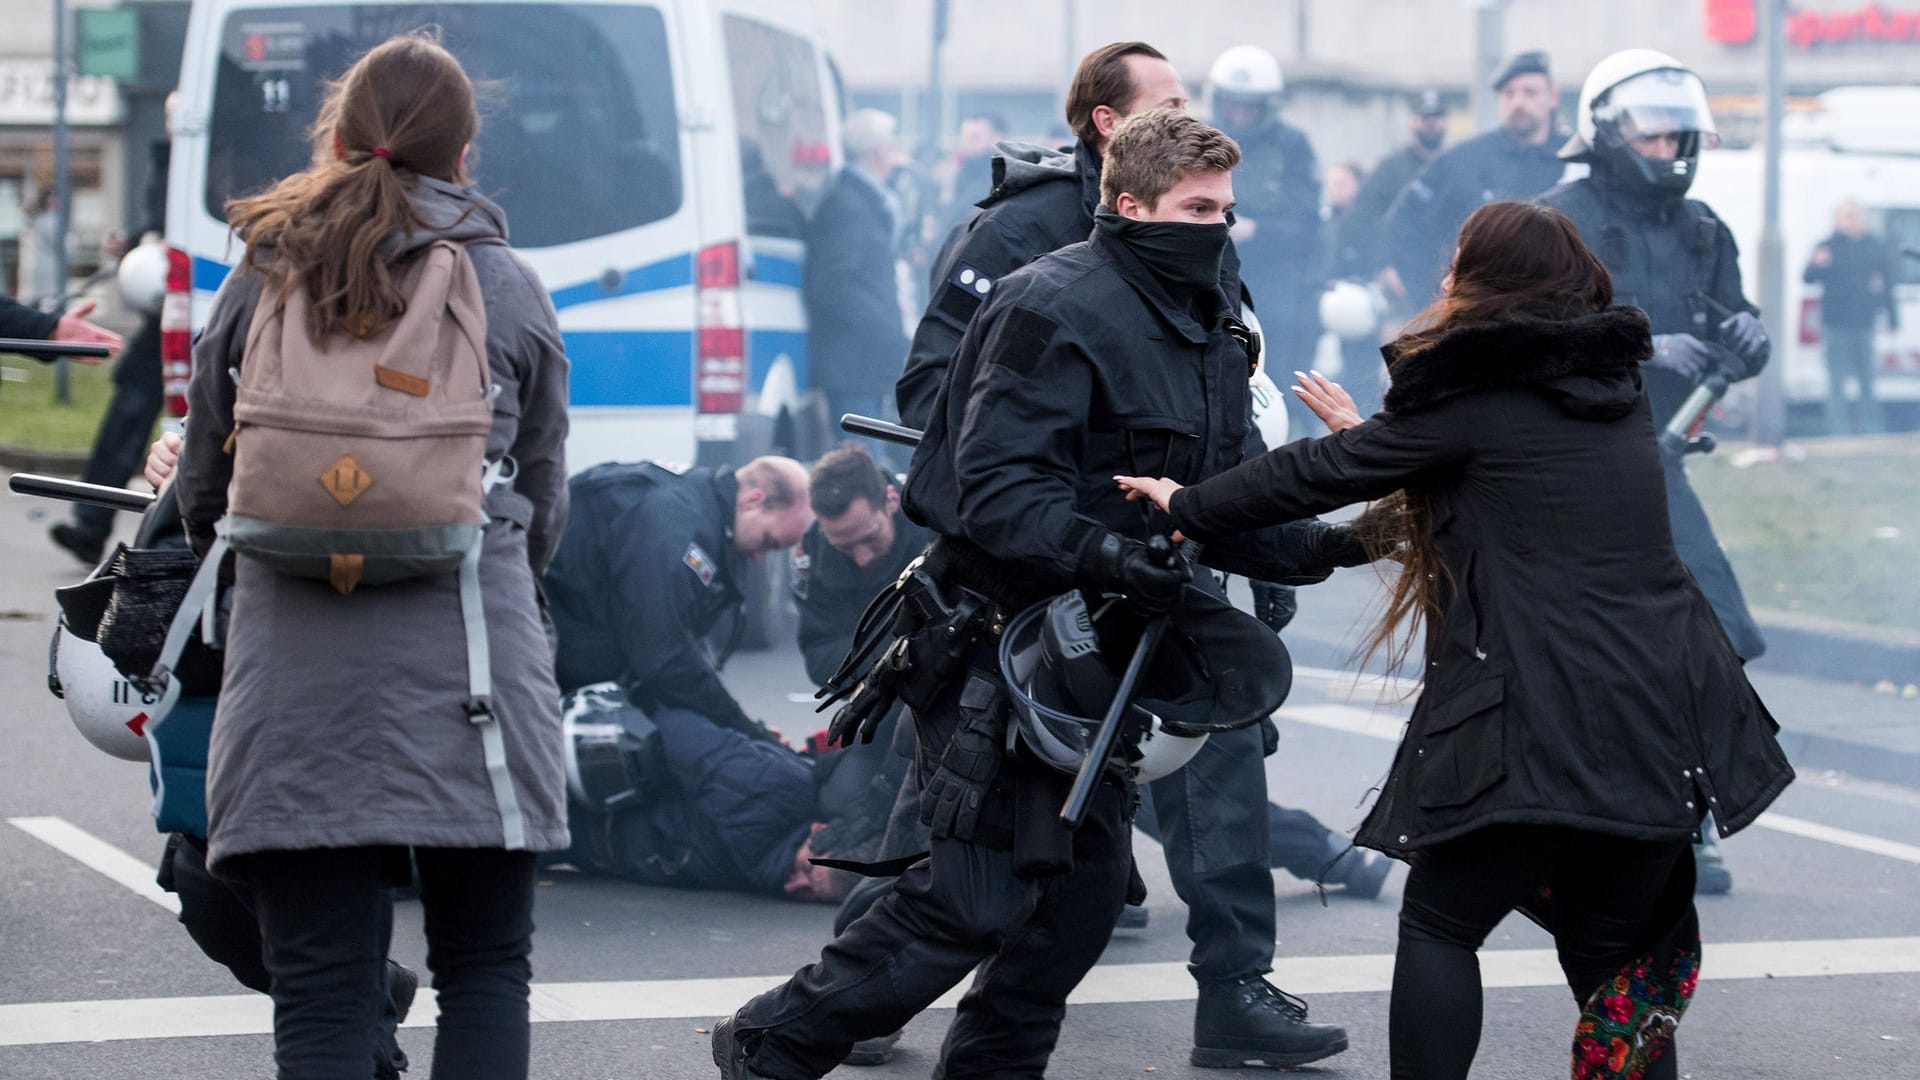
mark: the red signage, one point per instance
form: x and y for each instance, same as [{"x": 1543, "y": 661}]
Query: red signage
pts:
[{"x": 1737, "y": 22}]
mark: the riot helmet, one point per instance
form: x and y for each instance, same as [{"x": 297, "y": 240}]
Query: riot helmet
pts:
[
  {"x": 1243, "y": 88},
  {"x": 1642, "y": 94},
  {"x": 612, "y": 748},
  {"x": 106, "y": 707},
  {"x": 1061, "y": 685}
]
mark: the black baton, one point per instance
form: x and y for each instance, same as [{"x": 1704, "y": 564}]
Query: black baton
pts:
[
  {"x": 33, "y": 347},
  {"x": 53, "y": 487},
  {"x": 885, "y": 431}
]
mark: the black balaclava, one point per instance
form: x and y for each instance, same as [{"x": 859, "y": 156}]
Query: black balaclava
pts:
[{"x": 1185, "y": 256}]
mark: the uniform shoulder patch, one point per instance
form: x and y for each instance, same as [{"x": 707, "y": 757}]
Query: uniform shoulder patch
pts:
[
  {"x": 700, "y": 563},
  {"x": 802, "y": 577},
  {"x": 970, "y": 278}
]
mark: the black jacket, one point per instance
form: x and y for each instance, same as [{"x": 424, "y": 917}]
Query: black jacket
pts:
[
  {"x": 1857, "y": 284},
  {"x": 854, "y": 337},
  {"x": 1576, "y": 675},
  {"x": 1424, "y": 222},
  {"x": 645, "y": 569},
  {"x": 1276, "y": 186},
  {"x": 1081, "y": 367},
  {"x": 17, "y": 320},
  {"x": 1664, "y": 255},
  {"x": 1042, "y": 200},
  {"x": 1367, "y": 217},
  {"x": 831, "y": 591}
]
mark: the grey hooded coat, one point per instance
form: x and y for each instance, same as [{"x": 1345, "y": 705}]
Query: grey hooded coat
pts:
[{"x": 340, "y": 721}]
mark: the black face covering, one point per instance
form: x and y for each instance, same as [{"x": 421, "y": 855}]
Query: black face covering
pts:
[
  {"x": 1183, "y": 255},
  {"x": 1431, "y": 139}
]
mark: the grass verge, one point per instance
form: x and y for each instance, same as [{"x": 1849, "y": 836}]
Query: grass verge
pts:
[
  {"x": 1836, "y": 534},
  {"x": 29, "y": 416}
]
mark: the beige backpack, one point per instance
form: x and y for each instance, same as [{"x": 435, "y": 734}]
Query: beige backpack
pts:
[{"x": 362, "y": 461}]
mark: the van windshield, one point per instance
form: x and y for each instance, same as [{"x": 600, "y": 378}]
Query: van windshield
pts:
[{"x": 579, "y": 133}]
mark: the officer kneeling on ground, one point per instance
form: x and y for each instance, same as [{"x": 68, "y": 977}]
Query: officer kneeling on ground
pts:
[{"x": 1118, "y": 349}]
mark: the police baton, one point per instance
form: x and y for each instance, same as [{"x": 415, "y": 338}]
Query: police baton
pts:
[
  {"x": 1081, "y": 794},
  {"x": 37, "y": 348},
  {"x": 885, "y": 431},
  {"x": 53, "y": 487}
]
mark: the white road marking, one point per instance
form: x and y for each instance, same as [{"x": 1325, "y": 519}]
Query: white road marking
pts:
[
  {"x": 1813, "y": 830},
  {"x": 1352, "y": 719},
  {"x": 96, "y": 854},
  {"x": 42, "y": 1023}
]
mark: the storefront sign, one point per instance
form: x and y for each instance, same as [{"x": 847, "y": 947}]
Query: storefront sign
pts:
[
  {"x": 26, "y": 96},
  {"x": 1737, "y": 22}
]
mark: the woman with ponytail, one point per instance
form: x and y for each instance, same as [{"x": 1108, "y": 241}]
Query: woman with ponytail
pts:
[
  {"x": 344, "y": 740},
  {"x": 1581, "y": 708}
]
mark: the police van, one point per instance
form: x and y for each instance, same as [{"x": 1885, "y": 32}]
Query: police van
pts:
[
  {"x": 655, "y": 158},
  {"x": 1859, "y": 143}
]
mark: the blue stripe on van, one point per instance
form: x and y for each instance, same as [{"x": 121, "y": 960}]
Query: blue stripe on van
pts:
[
  {"x": 208, "y": 274},
  {"x": 630, "y": 367},
  {"x": 774, "y": 270},
  {"x": 764, "y": 346},
  {"x": 669, "y": 273}
]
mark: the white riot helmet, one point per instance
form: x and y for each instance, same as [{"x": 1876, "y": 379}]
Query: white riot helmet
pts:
[
  {"x": 1163, "y": 753},
  {"x": 111, "y": 712},
  {"x": 142, "y": 277},
  {"x": 1245, "y": 74},
  {"x": 1637, "y": 93},
  {"x": 1269, "y": 403},
  {"x": 1351, "y": 311}
]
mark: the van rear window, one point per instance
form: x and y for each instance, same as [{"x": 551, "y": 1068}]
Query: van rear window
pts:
[{"x": 579, "y": 131}]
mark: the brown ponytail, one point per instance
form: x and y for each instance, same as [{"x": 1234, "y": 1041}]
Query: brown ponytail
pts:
[{"x": 404, "y": 109}]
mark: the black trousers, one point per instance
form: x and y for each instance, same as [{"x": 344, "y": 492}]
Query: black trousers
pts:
[
  {"x": 326, "y": 915},
  {"x": 120, "y": 443},
  {"x": 219, "y": 916},
  {"x": 1617, "y": 908},
  {"x": 946, "y": 915},
  {"x": 1212, "y": 820}
]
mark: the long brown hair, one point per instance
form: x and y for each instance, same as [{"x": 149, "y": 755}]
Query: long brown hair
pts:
[
  {"x": 1515, "y": 261},
  {"x": 405, "y": 107}
]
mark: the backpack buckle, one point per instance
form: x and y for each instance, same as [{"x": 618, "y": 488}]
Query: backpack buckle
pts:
[{"x": 479, "y": 709}]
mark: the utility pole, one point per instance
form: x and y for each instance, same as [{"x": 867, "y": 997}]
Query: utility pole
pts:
[
  {"x": 937, "y": 86},
  {"x": 62, "y": 186},
  {"x": 1489, "y": 46},
  {"x": 1770, "y": 409}
]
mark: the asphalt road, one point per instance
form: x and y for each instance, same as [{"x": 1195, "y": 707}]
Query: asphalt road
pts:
[{"x": 1812, "y": 966}]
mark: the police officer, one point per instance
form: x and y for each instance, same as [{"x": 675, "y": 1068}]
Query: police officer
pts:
[
  {"x": 1114, "y": 350},
  {"x": 1277, "y": 219},
  {"x": 1427, "y": 126},
  {"x": 1219, "y": 856},
  {"x": 649, "y": 562},
  {"x": 1514, "y": 161},
  {"x": 1643, "y": 119},
  {"x": 859, "y": 543}
]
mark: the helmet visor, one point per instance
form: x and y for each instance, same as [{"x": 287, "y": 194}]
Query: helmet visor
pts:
[{"x": 1664, "y": 102}]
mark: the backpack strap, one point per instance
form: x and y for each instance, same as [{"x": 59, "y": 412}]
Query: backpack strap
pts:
[
  {"x": 479, "y": 704},
  {"x": 195, "y": 607}
]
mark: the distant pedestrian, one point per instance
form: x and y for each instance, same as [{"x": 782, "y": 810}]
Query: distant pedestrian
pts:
[
  {"x": 349, "y": 727},
  {"x": 1856, "y": 271},
  {"x": 1516, "y": 160},
  {"x": 1580, "y": 707},
  {"x": 970, "y": 169},
  {"x": 856, "y": 333}
]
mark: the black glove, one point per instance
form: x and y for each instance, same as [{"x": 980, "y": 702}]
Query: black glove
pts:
[
  {"x": 871, "y": 700},
  {"x": 1274, "y": 605},
  {"x": 951, "y": 801},
  {"x": 1152, "y": 585},
  {"x": 1743, "y": 335},
  {"x": 1689, "y": 357}
]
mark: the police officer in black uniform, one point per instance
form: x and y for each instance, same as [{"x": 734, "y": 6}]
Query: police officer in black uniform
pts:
[
  {"x": 1389, "y": 177},
  {"x": 859, "y": 543},
  {"x": 1643, "y": 118},
  {"x": 1514, "y": 161},
  {"x": 1218, "y": 855},
  {"x": 1119, "y": 349},
  {"x": 650, "y": 561}
]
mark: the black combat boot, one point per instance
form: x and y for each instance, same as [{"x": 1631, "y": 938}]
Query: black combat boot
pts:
[
  {"x": 729, "y": 1054},
  {"x": 1250, "y": 1023}
]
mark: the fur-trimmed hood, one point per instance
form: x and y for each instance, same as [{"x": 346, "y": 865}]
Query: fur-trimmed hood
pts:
[{"x": 1590, "y": 364}]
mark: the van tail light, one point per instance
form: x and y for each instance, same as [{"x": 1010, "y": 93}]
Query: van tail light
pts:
[
  {"x": 720, "y": 355},
  {"x": 1809, "y": 320},
  {"x": 176, "y": 331}
]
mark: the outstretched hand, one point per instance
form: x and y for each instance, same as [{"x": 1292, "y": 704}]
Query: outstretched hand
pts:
[
  {"x": 1328, "y": 400},
  {"x": 74, "y": 328},
  {"x": 1159, "y": 490}
]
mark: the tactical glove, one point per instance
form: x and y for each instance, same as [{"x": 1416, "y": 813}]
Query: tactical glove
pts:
[
  {"x": 951, "y": 801},
  {"x": 1689, "y": 357},
  {"x": 871, "y": 700},
  {"x": 1744, "y": 335},
  {"x": 1274, "y": 605},
  {"x": 1152, "y": 585}
]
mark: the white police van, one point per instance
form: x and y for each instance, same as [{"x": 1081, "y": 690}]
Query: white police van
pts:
[
  {"x": 1860, "y": 143},
  {"x": 655, "y": 159}
]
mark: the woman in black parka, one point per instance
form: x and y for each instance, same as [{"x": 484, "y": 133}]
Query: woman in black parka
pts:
[{"x": 1581, "y": 707}]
